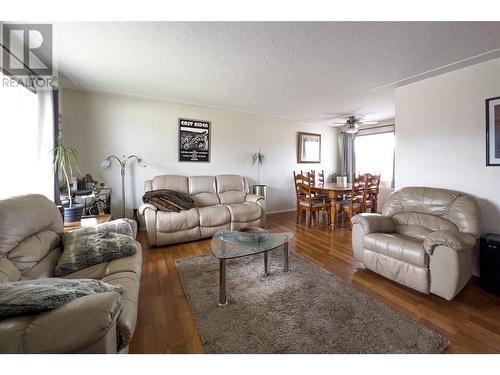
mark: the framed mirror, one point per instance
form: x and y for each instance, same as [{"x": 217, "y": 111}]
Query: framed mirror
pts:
[
  {"x": 493, "y": 131},
  {"x": 308, "y": 148}
]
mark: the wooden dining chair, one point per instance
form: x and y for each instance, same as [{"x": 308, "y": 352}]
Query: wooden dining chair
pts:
[
  {"x": 320, "y": 180},
  {"x": 312, "y": 178},
  {"x": 321, "y": 177},
  {"x": 354, "y": 202},
  {"x": 372, "y": 190},
  {"x": 306, "y": 201},
  {"x": 312, "y": 174}
]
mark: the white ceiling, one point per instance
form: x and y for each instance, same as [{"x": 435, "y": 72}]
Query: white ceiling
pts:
[{"x": 313, "y": 71}]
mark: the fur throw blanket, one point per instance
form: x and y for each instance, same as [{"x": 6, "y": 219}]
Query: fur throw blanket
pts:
[
  {"x": 87, "y": 250},
  {"x": 168, "y": 200},
  {"x": 35, "y": 296}
]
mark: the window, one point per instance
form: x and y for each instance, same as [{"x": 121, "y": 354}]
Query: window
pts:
[
  {"x": 24, "y": 147},
  {"x": 375, "y": 154}
]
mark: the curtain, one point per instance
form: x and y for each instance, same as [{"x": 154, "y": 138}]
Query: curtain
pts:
[
  {"x": 45, "y": 143},
  {"x": 26, "y": 140},
  {"x": 348, "y": 155}
]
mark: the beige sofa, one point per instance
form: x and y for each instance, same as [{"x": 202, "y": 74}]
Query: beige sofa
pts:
[
  {"x": 220, "y": 202},
  {"x": 30, "y": 245},
  {"x": 423, "y": 239}
]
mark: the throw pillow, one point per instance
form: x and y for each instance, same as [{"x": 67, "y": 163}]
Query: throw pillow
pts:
[
  {"x": 85, "y": 251},
  {"x": 35, "y": 296},
  {"x": 133, "y": 225}
]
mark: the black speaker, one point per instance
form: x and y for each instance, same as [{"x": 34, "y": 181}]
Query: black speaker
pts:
[{"x": 489, "y": 263}]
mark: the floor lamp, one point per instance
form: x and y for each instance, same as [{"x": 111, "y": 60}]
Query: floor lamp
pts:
[{"x": 106, "y": 163}]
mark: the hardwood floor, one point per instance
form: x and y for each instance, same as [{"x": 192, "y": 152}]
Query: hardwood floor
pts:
[{"x": 165, "y": 323}]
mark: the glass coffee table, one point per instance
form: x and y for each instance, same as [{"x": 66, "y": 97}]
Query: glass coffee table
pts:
[{"x": 229, "y": 244}]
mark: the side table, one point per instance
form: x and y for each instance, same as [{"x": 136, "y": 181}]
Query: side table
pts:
[{"x": 88, "y": 221}]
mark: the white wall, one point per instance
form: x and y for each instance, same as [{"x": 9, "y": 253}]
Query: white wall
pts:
[
  {"x": 100, "y": 124},
  {"x": 440, "y": 136}
]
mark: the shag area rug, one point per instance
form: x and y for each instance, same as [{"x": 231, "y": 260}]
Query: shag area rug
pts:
[{"x": 307, "y": 310}]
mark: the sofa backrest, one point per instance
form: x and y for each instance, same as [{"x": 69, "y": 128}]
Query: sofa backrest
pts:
[
  {"x": 231, "y": 188},
  {"x": 30, "y": 236},
  {"x": 434, "y": 209},
  {"x": 170, "y": 182},
  {"x": 203, "y": 190}
]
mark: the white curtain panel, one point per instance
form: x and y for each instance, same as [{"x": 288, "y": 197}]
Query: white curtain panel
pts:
[{"x": 26, "y": 139}]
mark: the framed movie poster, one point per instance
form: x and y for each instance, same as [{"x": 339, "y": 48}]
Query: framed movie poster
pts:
[
  {"x": 493, "y": 131},
  {"x": 309, "y": 148},
  {"x": 194, "y": 140}
]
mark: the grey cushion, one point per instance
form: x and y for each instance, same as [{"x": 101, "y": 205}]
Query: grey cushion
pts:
[
  {"x": 85, "y": 251},
  {"x": 35, "y": 296},
  {"x": 314, "y": 204}
]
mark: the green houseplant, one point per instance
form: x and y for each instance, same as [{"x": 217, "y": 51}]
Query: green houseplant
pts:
[
  {"x": 66, "y": 161},
  {"x": 340, "y": 177},
  {"x": 259, "y": 158}
]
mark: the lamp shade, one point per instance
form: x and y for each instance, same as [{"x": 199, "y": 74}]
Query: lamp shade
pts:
[{"x": 106, "y": 163}]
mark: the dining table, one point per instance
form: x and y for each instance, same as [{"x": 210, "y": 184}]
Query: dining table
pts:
[{"x": 334, "y": 192}]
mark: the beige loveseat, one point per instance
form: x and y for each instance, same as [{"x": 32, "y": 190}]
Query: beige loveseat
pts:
[
  {"x": 30, "y": 246},
  {"x": 423, "y": 239},
  {"x": 220, "y": 202}
]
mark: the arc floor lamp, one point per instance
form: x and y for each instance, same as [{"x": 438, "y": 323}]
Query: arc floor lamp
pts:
[{"x": 106, "y": 163}]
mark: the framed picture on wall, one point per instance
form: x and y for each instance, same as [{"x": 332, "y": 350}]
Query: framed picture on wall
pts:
[
  {"x": 493, "y": 131},
  {"x": 308, "y": 148},
  {"x": 194, "y": 140}
]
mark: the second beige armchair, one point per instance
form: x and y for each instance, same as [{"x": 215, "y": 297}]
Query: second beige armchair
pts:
[{"x": 423, "y": 239}]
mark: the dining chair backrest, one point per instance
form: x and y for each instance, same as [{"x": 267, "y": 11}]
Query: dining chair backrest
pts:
[
  {"x": 312, "y": 176},
  {"x": 373, "y": 183},
  {"x": 358, "y": 190},
  {"x": 321, "y": 176},
  {"x": 303, "y": 186}
]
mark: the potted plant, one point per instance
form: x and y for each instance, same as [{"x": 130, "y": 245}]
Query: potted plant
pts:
[
  {"x": 66, "y": 160},
  {"x": 258, "y": 158},
  {"x": 341, "y": 177}
]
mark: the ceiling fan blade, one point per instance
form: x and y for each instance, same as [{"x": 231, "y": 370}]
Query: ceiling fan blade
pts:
[
  {"x": 368, "y": 122},
  {"x": 338, "y": 123}
]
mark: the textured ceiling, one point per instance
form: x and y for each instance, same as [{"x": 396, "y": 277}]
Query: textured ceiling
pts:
[{"x": 313, "y": 71}]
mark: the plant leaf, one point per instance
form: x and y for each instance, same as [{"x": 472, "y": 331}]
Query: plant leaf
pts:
[{"x": 66, "y": 158}]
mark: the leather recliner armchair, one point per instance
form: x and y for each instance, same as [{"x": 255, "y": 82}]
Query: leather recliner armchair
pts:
[
  {"x": 424, "y": 239},
  {"x": 31, "y": 229}
]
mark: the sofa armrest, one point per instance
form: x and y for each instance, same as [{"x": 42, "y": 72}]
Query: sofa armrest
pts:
[
  {"x": 71, "y": 328},
  {"x": 373, "y": 223},
  {"x": 253, "y": 198},
  {"x": 149, "y": 212},
  {"x": 143, "y": 207},
  {"x": 453, "y": 239}
]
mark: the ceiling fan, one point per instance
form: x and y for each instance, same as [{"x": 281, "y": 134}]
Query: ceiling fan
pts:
[{"x": 353, "y": 122}]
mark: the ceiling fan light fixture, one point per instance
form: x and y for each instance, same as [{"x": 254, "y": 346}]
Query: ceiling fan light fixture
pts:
[{"x": 351, "y": 129}]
